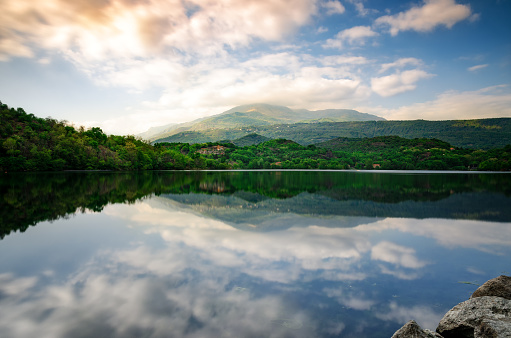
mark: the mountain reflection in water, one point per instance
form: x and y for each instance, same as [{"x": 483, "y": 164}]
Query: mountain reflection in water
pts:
[
  {"x": 245, "y": 254},
  {"x": 239, "y": 196}
]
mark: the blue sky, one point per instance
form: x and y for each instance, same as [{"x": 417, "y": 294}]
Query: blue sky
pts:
[{"x": 127, "y": 65}]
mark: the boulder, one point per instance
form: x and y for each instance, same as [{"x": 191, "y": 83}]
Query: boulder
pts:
[
  {"x": 413, "y": 330},
  {"x": 478, "y": 317},
  {"x": 493, "y": 328},
  {"x": 497, "y": 287}
]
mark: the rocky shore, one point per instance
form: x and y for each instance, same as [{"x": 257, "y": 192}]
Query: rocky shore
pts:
[{"x": 487, "y": 314}]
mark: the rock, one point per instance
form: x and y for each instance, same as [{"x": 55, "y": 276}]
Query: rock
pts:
[
  {"x": 493, "y": 328},
  {"x": 476, "y": 316},
  {"x": 496, "y": 287},
  {"x": 413, "y": 330}
]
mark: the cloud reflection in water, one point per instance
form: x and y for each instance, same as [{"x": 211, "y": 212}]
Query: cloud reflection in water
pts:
[{"x": 208, "y": 279}]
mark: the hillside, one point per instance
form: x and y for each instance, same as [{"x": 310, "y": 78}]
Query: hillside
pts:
[
  {"x": 155, "y": 130},
  {"x": 258, "y": 114},
  {"x": 483, "y": 133},
  {"x": 334, "y": 115},
  {"x": 29, "y": 143},
  {"x": 381, "y": 144},
  {"x": 250, "y": 140},
  {"x": 385, "y": 152}
]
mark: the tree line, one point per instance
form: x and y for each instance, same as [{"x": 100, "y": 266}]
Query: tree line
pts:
[
  {"x": 30, "y": 143},
  {"x": 474, "y": 134}
]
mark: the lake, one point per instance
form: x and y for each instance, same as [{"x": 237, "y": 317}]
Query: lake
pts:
[{"x": 245, "y": 253}]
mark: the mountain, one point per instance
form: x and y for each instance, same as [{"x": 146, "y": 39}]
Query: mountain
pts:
[
  {"x": 156, "y": 130},
  {"x": 258, "y": 114},
  {"x": 168, "y": 129},
  {"x": 482, "y": 133}
]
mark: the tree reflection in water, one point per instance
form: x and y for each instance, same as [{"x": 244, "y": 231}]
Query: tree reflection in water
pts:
[{"x": 31, "y": 198}]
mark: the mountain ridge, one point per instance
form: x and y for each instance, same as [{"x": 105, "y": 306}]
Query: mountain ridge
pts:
[
  {"x": 480, "y": 133},
  {"x": 257, "y": 114}
]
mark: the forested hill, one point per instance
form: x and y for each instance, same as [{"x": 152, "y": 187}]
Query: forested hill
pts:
[
  {"x": 29, "y": 143},
  {"x": 475, "y": 134},
  {"x": 382, "y": 144}
]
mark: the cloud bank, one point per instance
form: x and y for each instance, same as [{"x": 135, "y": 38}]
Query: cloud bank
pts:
[
  {"x": 97, "y": 30},
  {"x": 483, "y": 103},
  {"x": 187, "y": 59}
]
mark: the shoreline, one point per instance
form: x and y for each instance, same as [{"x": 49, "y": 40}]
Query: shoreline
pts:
[
  {"x": 486, "y": 314},
  {"x": 383, "y": 171}
]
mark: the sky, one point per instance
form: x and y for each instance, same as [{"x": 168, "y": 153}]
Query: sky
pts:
[{"x": 127, "y": 65}]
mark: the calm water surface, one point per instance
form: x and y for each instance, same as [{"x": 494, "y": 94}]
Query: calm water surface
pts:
[{"x": 245, "y": 254}]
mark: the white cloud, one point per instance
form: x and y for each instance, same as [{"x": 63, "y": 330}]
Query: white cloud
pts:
[
  {"x": 334, "y": 7},
  {"x": 350, "y": 301},
  {"x": 142, "y": 74},
  {"x": 333, "y": 43},
  {"x": 400, "y": 63},
  {"x": 337, "y": 251},
  {"x": 483, "y": 103},
  {"x": 196, "y": 58},
  {"x": 424, "y": 315},
  {"x": 431, "y": 14},
  {"x": 396, "y": 254},
  {"x": 12, "y": 286},
  {"x": 321, "y": 30},
  {"x": 344, "y": 59},
  {"x": 105, "y": 301},
  {"x": 485, "y": 236},
  {"x": 397, "y": 83},
  {"x": 85, "y": 30},
  {"x": 191, "y": 276},
  {"x": 399, "y": 272},
  {"x": 477, "y": 67},
  {"x": 10, "y": 47},
  {"x": 360, "y": 8},
  {"x": 354, "y": 35},
  {"x": 213, "y": 86},
  {"x": 357, "y": 34},
  {"x": 198, "y": 55},
  {"x": 307, "y": 248}
]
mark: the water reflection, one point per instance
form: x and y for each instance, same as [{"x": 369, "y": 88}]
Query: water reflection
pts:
[
  {"x": 28, "y": 199},
  {"x": 183, "y": 263}
]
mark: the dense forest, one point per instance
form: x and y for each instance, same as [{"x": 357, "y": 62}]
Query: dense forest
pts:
[
  {"x": 29, "y": 143},
  {"x": 474, "y": 134}
]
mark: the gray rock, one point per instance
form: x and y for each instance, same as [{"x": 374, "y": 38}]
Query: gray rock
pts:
[
  {"x": 413, "y": 330},
  {"x": 476, "y": 316},
  {"x": 496, "y": 287},
  {"x": 493, "y": 328}
]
